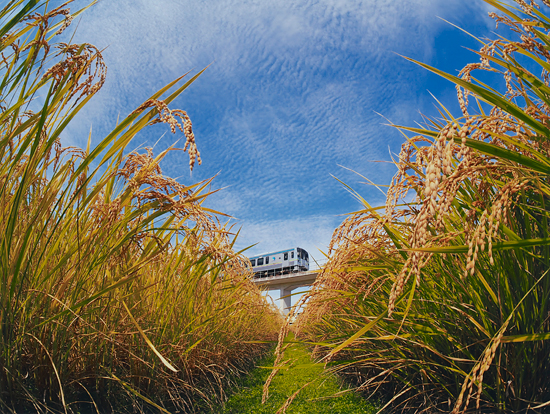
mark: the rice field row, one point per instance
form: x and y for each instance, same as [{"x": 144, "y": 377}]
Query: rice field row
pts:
[
  {"x": 119, "y": 291},
  {"x": 439, "y": 301}
]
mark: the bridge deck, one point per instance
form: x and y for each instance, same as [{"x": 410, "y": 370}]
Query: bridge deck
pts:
[{"x": 290, "y": 279}]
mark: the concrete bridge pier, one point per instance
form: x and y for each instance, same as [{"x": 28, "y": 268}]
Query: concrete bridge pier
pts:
[{"x": 284, "y": 293}]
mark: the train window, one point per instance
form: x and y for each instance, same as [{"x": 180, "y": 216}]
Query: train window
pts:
[
  {"x": 253, "y": 262},
  {"x": 292, "y": 255},
  {"x": 286, "y": 256},
  {"x": 267, "y": 260},
  {"x": 260, "y": 261}
]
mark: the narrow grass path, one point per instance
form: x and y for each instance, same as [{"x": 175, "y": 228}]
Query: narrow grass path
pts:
[{"x": 316, "y": 398}]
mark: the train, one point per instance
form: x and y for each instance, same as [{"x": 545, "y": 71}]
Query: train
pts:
[{"x": 280, "y": 263}]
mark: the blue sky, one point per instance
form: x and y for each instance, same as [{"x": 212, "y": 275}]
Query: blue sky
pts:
[{"x": 293, "y": 92}]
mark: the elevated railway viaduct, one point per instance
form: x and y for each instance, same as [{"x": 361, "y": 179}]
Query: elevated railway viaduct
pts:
[{"x": 286, "y": 284}]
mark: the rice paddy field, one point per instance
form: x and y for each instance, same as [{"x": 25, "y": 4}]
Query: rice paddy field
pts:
[{"x": 121, "y": 292}]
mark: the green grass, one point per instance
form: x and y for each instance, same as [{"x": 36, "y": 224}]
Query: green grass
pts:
[{"x": 316, "y": 398}]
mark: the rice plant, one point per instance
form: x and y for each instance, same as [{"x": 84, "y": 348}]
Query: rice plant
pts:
[
  {"x": 119, "y": 290},
  {"x": 442, "y": 303}
]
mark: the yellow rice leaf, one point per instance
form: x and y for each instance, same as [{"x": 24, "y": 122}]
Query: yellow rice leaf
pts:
[
  {"x": 513, "y": 244},
  {"x": 357, "y": 335},
  {"x": 162, "y": 359},
  {"x": 526, "y": 337}
]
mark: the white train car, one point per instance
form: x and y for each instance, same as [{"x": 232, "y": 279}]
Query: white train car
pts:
[{"x": 280, "y": 263}]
